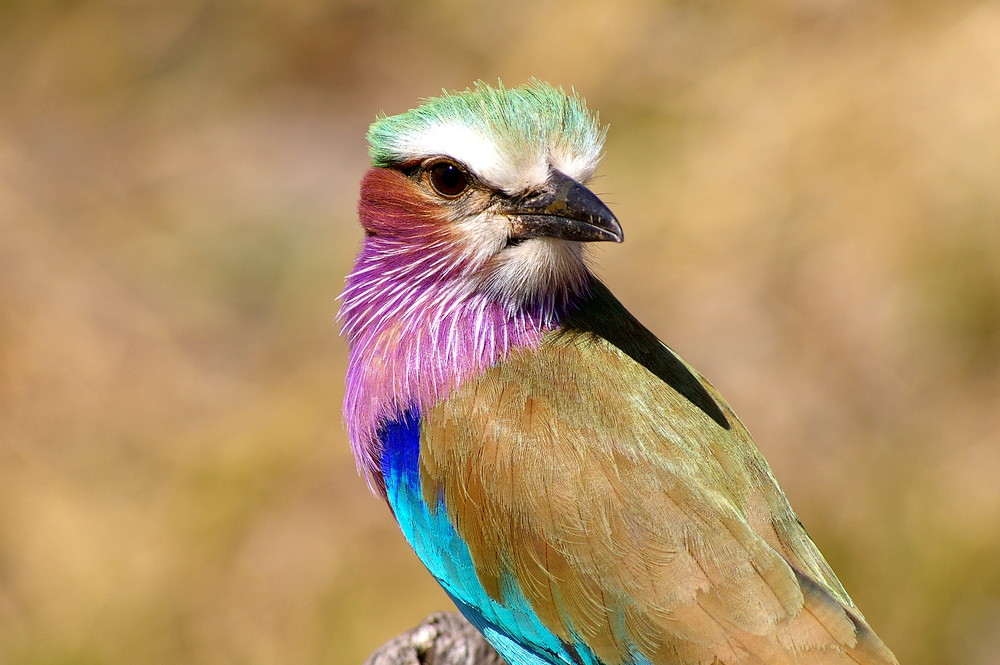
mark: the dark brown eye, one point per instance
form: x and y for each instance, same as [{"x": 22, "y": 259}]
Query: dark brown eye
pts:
[{"x": 447, "y": 179}]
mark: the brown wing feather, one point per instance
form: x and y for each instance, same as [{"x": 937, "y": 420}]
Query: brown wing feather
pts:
[{"x": 631, "y": 519}]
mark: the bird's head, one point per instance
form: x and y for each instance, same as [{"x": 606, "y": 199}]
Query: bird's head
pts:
[
  {"x": 475, "y": 213},
  {"x": 486, "y": 188}
]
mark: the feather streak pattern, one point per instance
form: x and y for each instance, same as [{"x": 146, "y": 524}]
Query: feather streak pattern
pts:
[{"x": 415, "y": 334}]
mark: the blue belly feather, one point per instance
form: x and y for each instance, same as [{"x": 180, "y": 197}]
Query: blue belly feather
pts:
[{"x": 512, "y": 627}]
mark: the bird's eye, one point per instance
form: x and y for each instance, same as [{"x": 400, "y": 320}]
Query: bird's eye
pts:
[{"x": 447, "y": 179}]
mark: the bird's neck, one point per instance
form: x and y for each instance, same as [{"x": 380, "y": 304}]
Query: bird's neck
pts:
[{"x": 418, "y": 327}]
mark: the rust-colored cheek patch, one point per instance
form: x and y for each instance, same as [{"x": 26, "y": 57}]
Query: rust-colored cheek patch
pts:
[{"x": 393, "y": 205}]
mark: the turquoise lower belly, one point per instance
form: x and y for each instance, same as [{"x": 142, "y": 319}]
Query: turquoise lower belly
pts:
[{"x": 510, "y": 624}]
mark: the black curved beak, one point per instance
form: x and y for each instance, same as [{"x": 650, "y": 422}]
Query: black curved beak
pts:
[{"x": 562, "y": 209}]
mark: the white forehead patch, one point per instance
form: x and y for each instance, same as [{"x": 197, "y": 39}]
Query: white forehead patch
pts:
[
  {"x": 578, "y": 166},
  {"x": 509, "y": 168}
]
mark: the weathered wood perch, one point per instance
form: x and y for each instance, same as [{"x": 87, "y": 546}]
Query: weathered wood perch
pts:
[{"x": 443, "y": 638}]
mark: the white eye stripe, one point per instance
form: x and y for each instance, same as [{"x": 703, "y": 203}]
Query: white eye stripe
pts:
[
  {"x": 456, "y": 141},
  {"x": 511, "y": 168}
]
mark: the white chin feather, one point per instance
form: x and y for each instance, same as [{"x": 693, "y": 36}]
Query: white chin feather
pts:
[{"x": 538, "y": 271}]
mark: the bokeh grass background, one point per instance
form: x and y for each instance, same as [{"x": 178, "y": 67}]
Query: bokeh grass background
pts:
[{"x": 810, "y": 191}]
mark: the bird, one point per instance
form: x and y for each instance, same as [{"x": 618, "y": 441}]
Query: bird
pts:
[{"x": 583, "y": 495}]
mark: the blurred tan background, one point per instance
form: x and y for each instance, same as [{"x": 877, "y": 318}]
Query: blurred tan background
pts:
[{"x": 810, "y": 195}]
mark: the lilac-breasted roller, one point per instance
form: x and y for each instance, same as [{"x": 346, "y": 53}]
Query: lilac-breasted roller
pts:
[{"x": 582, "y": 494}]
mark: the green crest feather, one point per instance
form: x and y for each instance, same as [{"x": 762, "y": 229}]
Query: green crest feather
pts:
[{"x": 517, "y": 121}]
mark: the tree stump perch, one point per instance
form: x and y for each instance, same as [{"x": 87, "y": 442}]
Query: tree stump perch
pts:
[{"x": 443, "y": 638}]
